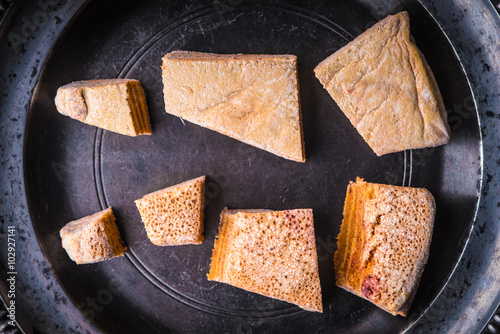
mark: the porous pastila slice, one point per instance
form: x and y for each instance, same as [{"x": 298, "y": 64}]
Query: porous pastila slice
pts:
[
  {"x": 384, "y": 86},
  {"x": 272, "y": 253},
  {"x": 117, "y": 105},
  {"x": 93, "y": 238},
  {"x": 384, "y": 242},
  {"x": 174, "y": 215},
  {"x": 252, "y": 98}
]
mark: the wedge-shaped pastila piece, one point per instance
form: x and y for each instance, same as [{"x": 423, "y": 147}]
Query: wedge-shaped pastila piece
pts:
[
  {"x": 384, "y": 86},
  {"x": 174, "y": 215},
  {"x": 384, "y": 242},
  {"x": 252, "y": 98},
  {"x": 272, "y": 253},
  {"x": 117, "y": 105},
  {"x": 93, "y": 238}
]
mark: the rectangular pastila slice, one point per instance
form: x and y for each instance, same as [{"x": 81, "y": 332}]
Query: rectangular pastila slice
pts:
[
  {"x": 174, "y": 215},
  {"x": 252, "y": 98},
  {"x": 384, "y": 243},
  {"x": 117, "y": 105},
  {"x": 272, "y": 253},
  {"x": 384, "y": 85}
]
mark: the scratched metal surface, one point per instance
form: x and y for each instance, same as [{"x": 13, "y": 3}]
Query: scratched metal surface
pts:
[{"x": 56, "y": 169}]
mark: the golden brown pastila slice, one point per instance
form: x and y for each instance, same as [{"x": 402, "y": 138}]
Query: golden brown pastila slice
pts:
[
  {"x": 252, "y": 98},
  {"x": 384, "y": 86},
  {"x": 93, "y": 238},
  {"x": 384, "y": 242},
  {"x": 272, "y": 253},
  {"x": 174, "y": 215},
  {"x": 117, "y": 105}
]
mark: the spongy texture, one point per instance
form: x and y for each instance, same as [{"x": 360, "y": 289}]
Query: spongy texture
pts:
[
  {"x": 93, "y": 238},
  {"x": 384, "y": 242},
  {"x": 117, "y": 105},
  {"x": 272, "y": 253},
  {"x": 174, "y": 215}
]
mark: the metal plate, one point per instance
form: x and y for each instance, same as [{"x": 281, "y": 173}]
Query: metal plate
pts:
[{"x": 72, "y": 170}]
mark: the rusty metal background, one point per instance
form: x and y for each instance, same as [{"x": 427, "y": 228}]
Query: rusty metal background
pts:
[{"x": 55, "y": 170}]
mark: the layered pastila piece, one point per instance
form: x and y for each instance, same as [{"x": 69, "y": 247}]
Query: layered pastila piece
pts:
[
  {"x": 93, "y": 238},
  {"x": 272, "y": 253},
  {"x": 117, "y": 105},
  {"x": 252, "y": 98},
  {"x": 174, "y": 215},
  {"x": 384, "y": 242},
  {"x": 384, "y": 86}
]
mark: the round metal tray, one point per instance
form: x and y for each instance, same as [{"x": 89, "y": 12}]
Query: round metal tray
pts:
[{"x": 57, "y": 169}]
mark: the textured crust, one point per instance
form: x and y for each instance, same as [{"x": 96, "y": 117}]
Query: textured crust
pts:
[
  {"x": 93, "y": 238},
  {"x": 174, "y": 215},
  {"x": 385, "y": 87},
  {"x": 272, "y": 253},
  {"x": 384, "y": 243},
  {"x": 252, "y": 98},
  {"x": 117, "y": 105}
]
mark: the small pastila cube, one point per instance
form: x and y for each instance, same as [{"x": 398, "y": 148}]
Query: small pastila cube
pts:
[
  {"x": 117, "y": 105},
  {"x": 174, "y": 215},
  {"x": 93, "y": 238},
  {"x": 272, "y": 253}
]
